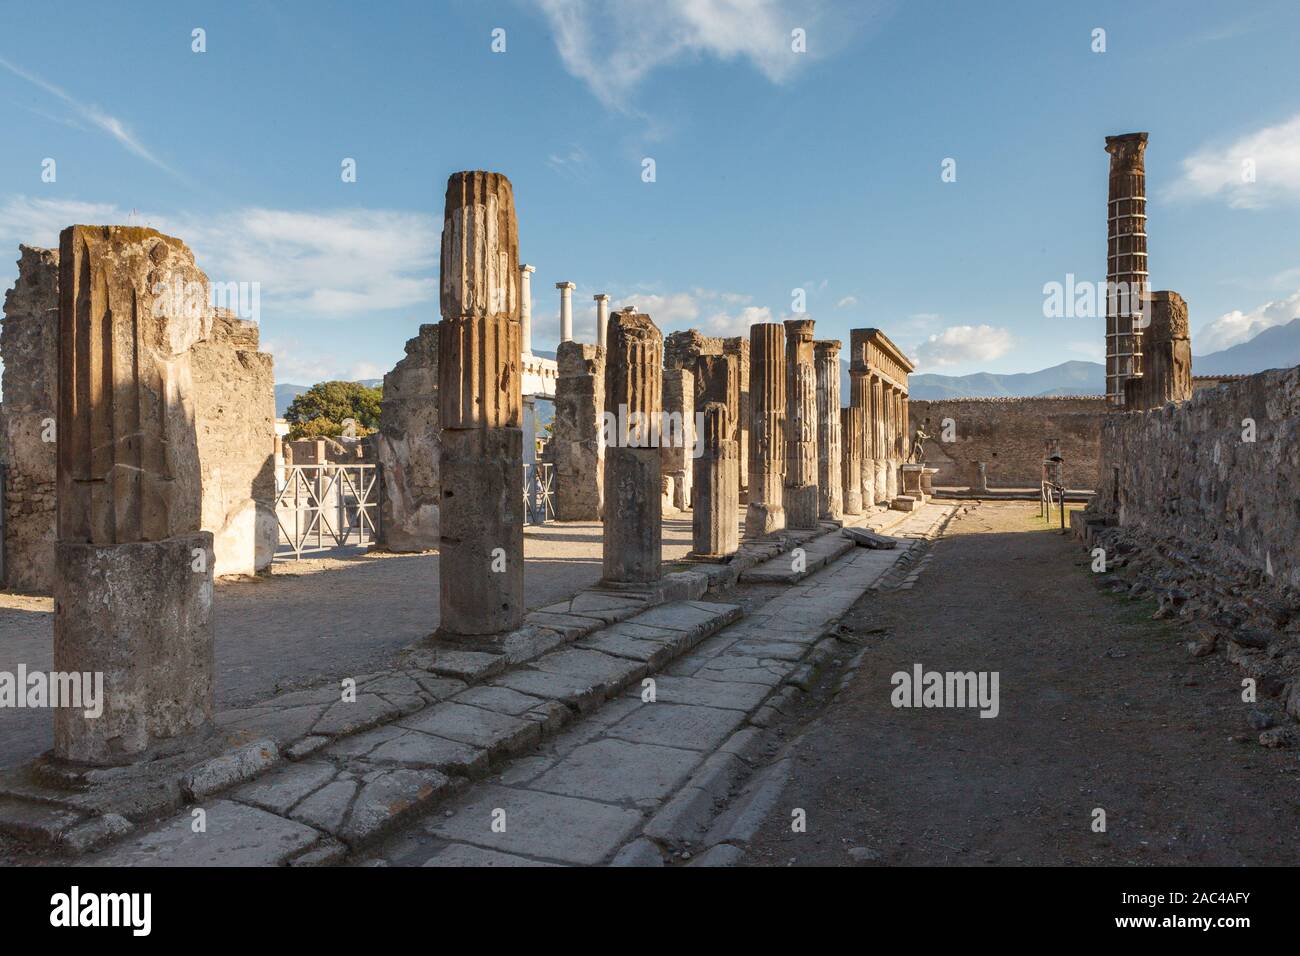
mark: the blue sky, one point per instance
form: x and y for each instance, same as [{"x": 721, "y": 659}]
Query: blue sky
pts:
[{"x": 775, "y": 170}]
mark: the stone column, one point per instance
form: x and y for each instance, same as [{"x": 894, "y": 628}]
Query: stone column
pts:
[
  {"x": 715, "y": 524},
  {"x": 879, "y": 450},
  {"x": 480, "y": 373},
  {"x": 764, "y": 513},
  {"x": 860, "y": 398},
  {"x": 739, "y": 347},
  {"x": 677, "y": 439},
  {"x": 578, "y": 441},
  {"x": 633, "y": 389},
  {"x": 1166, "y": 355},
  {"x": 133, "y": 583},
  {"x": 891, "y": 442},
  {"x": 717, "y": 380},
  {"x": 602, "y": 317},
  {"x": 800, "y": 426},
  {"x": 851, "y": 458},
  {"x": 526, "y": 308},
  {"x": 830, "y": 496},
  {"x": 566, "y": 310}
]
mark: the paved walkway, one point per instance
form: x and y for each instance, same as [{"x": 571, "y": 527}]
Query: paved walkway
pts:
[{"x": 315, "y": 618}]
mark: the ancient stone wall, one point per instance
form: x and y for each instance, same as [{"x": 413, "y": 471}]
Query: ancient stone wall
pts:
[
  {"x": 407, "y": 447},
  {"x": 1184, "y": 474},
  {"x": 234, "y": 422},
  {"x": 29, "y": 347},
  {"x": 1010, "y": 435}
]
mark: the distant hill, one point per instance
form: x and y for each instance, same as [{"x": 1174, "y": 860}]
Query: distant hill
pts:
[
  {"x": 1068, "y": 378},
  {"x": 1277, "y": 347}
]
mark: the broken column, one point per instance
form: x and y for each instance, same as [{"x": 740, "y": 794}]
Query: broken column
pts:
[
  {"x": 577, "y": 442},
  {"x": 133, "y": 588},
  {"x": 739, "y": 347},
  {"x": 830, "y": 498},
  {"x": 480, "y": 403},
  {"x": 1166, "y": 355},
  {"x": 851, "y": 432},
  {"x": 566, "y": 310},
  {"x": 764, "y": 513},
  {"x": 29, "y": 349},
  {"x": 800, "y": 426},
  {"x": 602, "y": 317},
  {"x": 633, "y": 536},
  {"x": 715, "y": 524},
  {"x": 526, "y": 308},
  {"x": 678, "y": 433},
  {"x": 879, "y": 443}
]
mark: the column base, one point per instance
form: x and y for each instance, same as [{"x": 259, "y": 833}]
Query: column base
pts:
[
  {"x": 801, "y": 508},
  {"x": 763, "y": 519}
]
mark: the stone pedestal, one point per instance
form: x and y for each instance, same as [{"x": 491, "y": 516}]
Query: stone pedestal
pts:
[
  {"x": 851, "y": 459},
  {"x": 579, "y": 450},
  {"x": 830, "y": 496},
  {"x": 912, "y": 476},
  {"x": 764, "y": 513},
  {"x": 482, "y": 536},
  {"x": 633, "y": 539},
  {"x": 715, "y": 525},
  {"x": 140, "y": 614},
  {"x": 927, "y": 480}
]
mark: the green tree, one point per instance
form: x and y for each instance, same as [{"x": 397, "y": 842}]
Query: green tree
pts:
[{"x": 322, "y": 409}]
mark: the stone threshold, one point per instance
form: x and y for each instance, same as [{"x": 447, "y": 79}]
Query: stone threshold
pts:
[{"x": 636, "y": 781}]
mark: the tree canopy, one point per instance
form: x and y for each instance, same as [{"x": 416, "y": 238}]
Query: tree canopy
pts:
[{"x": 321, "y": 410}]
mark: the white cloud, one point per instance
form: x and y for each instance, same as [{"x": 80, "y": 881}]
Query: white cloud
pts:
[
  {"x": 331, "y": 264},
  {"x": 92, "y": 114},
  {"x": 726, "y": 324},
  {"x": 1236, "y": 326},
  {"x": 963, "y": 343},
  {"x": 672, "y": 311},
  {"x": 1274, "y": 154},
  {"x": 845, "y": 302},
  {"x": 612, "y": 45}
]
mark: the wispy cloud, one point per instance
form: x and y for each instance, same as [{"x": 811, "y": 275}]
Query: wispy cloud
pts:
[
  {"x": 92, "y": 114},
  {"x": 964, "y": 343},
  {"x": 846, "y": 302},
  {"x": 1235, "y": 327},
  {"x": 330, "y": 264},
  {"x": 612, "y": 45},
  {"x": 1257, "y": 170}
]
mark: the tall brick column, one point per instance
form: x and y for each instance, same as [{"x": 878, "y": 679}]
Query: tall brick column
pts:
[
  {"x": 633, "y": 536},
  {"x": 764, "y": 513},
  {"x": 482, "y": 519},
  {"x": 578, "y": 441},
  {"x": 830, "y": 496},
  {"x": 133, "y": 583},
  {"x": 1126, "y": 260}
]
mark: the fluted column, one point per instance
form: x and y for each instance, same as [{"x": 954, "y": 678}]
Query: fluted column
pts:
[
  {"x": 715, "y": 524},
  {"x": 830, "y": 496},
  {"x": 602, "y": 318},
  {"x": 851, "y": 459},
  {"x": 633, "y": 538},
  {"x": 879, "y": 445},
  {"x": 800, "y": 426},
  {"x": 481, "y": 452},
  {"x": 133, "y": 572},
  {"x": 566, "y": 310},
  {"x": 526, "y": 308},
  {"x": 764, "y": 513}
]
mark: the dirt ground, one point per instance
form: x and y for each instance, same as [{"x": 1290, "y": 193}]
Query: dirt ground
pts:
[{"x": 1100, "y": 707}]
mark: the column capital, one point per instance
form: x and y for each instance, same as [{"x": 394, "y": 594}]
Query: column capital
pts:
[
  {"x": 525, "y": 267},
  {"x": 601, "y": 297},
  {"x": 566, "y": 286}
]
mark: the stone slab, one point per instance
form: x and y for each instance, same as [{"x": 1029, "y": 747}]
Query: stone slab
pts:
[
  {"x": 618, "y": 771},
  {"x": 236, "y": 835},
  {"x": 688, "y": 726}
]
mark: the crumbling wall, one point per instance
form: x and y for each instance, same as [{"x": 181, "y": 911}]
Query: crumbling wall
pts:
[
  {"x": 29, "y": 349},
  {"x": 1010, "y": 436},
  {"x": 234, "y": 422},
  {"x": 407, "y": 447},
  {"x": 1186, "y": 474}
]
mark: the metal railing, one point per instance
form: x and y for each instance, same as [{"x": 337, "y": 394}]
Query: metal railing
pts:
[
  {"x": 539, "y": 492},
  {"x": 328, "y": 506}
]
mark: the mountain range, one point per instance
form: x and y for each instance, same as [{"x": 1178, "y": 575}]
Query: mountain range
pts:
[{"x": 1276, "y": 347}]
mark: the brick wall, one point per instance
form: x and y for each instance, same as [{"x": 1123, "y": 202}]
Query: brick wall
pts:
[{"x": 1010, "y": 435}]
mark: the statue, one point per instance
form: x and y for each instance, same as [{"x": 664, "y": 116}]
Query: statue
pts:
[{"x": 917, "y": 455}]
